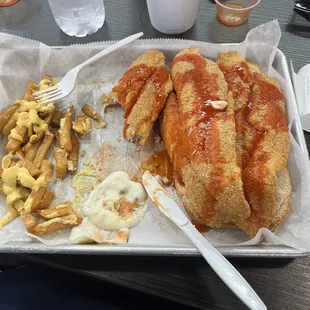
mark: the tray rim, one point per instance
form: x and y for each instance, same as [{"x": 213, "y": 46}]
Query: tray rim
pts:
[
  {"x": 261, "y": 251},
  {"x": 258, "y": 251}
]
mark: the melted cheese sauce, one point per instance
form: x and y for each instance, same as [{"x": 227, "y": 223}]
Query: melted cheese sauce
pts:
[
  {"x": 27, "y": 116},
  {"x": 116, "y": 203},
  {"x": 14, "y": 174}
]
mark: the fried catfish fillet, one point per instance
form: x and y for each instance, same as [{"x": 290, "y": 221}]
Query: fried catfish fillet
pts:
[
  {"x": 198, "y": 129},
  {"x": 142, "y": 91},
  {"x": 263, "y": 141}
]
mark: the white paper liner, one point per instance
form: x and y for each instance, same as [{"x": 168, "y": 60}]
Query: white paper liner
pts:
[{"x": 24, "y": 59}]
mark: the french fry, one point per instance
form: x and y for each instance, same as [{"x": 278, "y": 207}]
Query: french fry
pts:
[
  {"x": 65, "y": 131},
  {"x": 12, "y": 163},
  {"x": 57, "y": 211},
  {"x": 45, "y": 177},
  {"x": 43, "y": 149},
  {"x": 26, "y": 139},
  {"x": 82, "y": 124},
  {"x": 46, "y": 82},
  {"x": 49, "y": 118},
  {"x": 39, "y": 188},
  {"x": 57, "y": 224},
  {"x": 6, "y": 114},
  {"x": 24, "y": 192},
  {"x": 92, "y": 113},
  {"x": 61, "y": 162},
  {"x": 33, "y": 170},
  {"x": 19, "y": 206},
  {"x": 32, "y": 150},
  {"x": 74, "y": 155},
  {"x": 55, "y": 132},
  {"x": 31, "y": 88},
  {"x": 28, "y": 144},
  {"x": 46, "y": 165},
  {"x": 34, "y": 138},
  {"x": 34, "y": 199},
  {"x": 19, "y": 153},
  {"x": 9, "y": 125},
  {"x": 13, "y": 144},
  {"x": 57, "y": 117},
  {"x": 29, "y": 221},
  {"x": 46, "y": 200}
]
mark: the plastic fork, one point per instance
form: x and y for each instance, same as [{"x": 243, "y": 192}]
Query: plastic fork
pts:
[{"x": 66, "y": 85}]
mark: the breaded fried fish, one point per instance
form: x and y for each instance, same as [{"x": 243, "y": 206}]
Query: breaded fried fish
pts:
[
  {"x": 142, "y": 91},
  {"x": 263, "y": 141},
  {"x": 198, "y": 128}
]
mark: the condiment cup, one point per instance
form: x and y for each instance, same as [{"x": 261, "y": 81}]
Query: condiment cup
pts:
[{"x": 234, "y": 12}]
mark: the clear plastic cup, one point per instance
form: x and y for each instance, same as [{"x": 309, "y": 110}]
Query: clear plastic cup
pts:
[
  {"x": 78, "y": 17},
  {"x": 234, "y": 12},
  {"x": 172, "y": 16}
]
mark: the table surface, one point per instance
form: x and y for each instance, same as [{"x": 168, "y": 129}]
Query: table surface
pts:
[{"x": 281, "y": 283}]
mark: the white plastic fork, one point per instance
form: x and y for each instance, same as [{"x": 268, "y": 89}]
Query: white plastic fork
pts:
[{"x": 66, "y": 85}]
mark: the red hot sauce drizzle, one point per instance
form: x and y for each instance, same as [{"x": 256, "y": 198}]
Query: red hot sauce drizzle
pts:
[
  {"x": 200, "y": 140},
  {"x": 159, "y": 79},
  {"x": 255, "y": 159},
  {"x": 131, "y": 84}
]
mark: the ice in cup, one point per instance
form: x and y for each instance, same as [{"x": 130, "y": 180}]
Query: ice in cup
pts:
[
  {"x": 234, "y": 12},
  {"x": 172, "y": 16}
]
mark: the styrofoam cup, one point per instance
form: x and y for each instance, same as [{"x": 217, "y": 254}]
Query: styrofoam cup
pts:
[{"x": 172, "y": 16}]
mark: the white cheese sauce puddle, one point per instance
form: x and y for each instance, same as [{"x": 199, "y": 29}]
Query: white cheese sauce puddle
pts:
[{"x": 116, "y": 203}]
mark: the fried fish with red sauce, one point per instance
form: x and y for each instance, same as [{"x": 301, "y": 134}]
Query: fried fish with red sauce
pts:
[
  {"x": 142, "y": 91},
  {"x": 198, "y": 128},
  {"x": 263, "y": 141}
]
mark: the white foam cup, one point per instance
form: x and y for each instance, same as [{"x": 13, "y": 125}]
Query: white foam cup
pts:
[{"x": 172, "y": 16}]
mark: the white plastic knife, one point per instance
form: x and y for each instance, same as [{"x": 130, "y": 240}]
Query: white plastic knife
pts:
[{"x": 230, "y": 276}]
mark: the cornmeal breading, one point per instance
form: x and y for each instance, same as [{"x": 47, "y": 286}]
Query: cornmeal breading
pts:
[
  {"x": 263, "y": 141},
  {"x": 142, "y": 91},
  {"x": 201, "y": 139}
]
